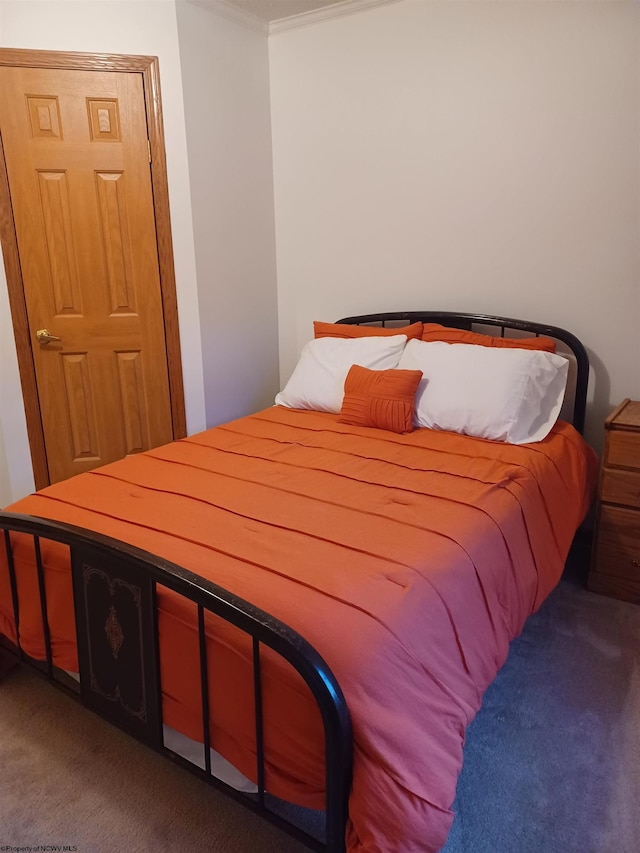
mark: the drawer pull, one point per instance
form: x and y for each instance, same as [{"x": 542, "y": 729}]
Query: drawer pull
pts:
[{"x": 635, "y": 563}]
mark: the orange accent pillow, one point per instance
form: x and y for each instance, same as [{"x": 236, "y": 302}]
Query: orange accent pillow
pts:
[
  {"x": 346, "y": 330},
  {"x": 384, "y": 399},
  {"x": 436, "y": 332}
]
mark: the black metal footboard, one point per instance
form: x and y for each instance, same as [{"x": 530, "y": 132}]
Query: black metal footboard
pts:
[{"x": 115, "y": 601}]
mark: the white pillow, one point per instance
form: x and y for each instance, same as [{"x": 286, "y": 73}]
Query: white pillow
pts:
[
  {"x": 317, "y": 381},
  {"x": 512, "y": 395}
]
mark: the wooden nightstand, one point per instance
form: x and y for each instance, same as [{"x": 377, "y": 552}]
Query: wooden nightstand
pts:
[{"x": 615, "y": 566}]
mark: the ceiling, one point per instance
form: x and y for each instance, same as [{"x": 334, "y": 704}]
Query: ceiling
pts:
[{"x": 274, "y": 10}]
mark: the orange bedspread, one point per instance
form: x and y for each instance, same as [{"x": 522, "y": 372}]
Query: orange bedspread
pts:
[{"x": 408, "y": 561}]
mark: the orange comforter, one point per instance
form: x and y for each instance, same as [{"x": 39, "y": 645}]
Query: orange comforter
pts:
[{"x": 408, "y": 561}]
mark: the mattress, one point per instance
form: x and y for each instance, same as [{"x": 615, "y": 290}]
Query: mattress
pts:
[{"x": 409, "y": 561}]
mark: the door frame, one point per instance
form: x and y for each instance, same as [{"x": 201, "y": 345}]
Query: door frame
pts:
[{"x": 147, "y": 66}]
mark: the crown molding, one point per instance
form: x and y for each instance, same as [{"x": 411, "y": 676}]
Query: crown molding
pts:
[
  {"x": 233, "y": 13},
  {"x": 338, "y": 10}
]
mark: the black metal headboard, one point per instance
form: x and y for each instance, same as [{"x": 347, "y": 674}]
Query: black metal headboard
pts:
[{"x": 501, "y": 325}]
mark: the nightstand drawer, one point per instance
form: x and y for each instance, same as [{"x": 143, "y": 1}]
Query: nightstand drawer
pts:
[
  {"x": 624, "y": 449},
  {"x": 627, "y": 590},
  {"x": 621, "y": 487},
  {"x": 615, "y": 564},
  {"x": 618, "y": 545}
]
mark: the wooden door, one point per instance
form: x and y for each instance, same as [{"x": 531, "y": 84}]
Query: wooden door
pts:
[{"x": 77, "y": 159}]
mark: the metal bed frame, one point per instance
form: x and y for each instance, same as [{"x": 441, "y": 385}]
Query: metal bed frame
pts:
[{"x": 114, "y": 591}]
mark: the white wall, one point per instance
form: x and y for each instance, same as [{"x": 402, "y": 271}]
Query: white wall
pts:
[
  {"x": 478, "y": 156},
  {"x": 225, "y": 74},
  {"x": 16, "y": 476}
]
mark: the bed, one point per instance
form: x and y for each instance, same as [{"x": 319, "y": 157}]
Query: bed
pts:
[{"x": 313, "y": 602}]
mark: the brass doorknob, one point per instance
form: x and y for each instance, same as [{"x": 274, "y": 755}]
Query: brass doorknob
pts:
[{"x": 43, "y": 336}]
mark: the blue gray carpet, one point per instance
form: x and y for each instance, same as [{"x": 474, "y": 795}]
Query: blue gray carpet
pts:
[{"x": 552, "y": 761}]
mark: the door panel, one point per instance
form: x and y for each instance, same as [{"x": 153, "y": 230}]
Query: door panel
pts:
[{"x": 77, "y": 160}]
